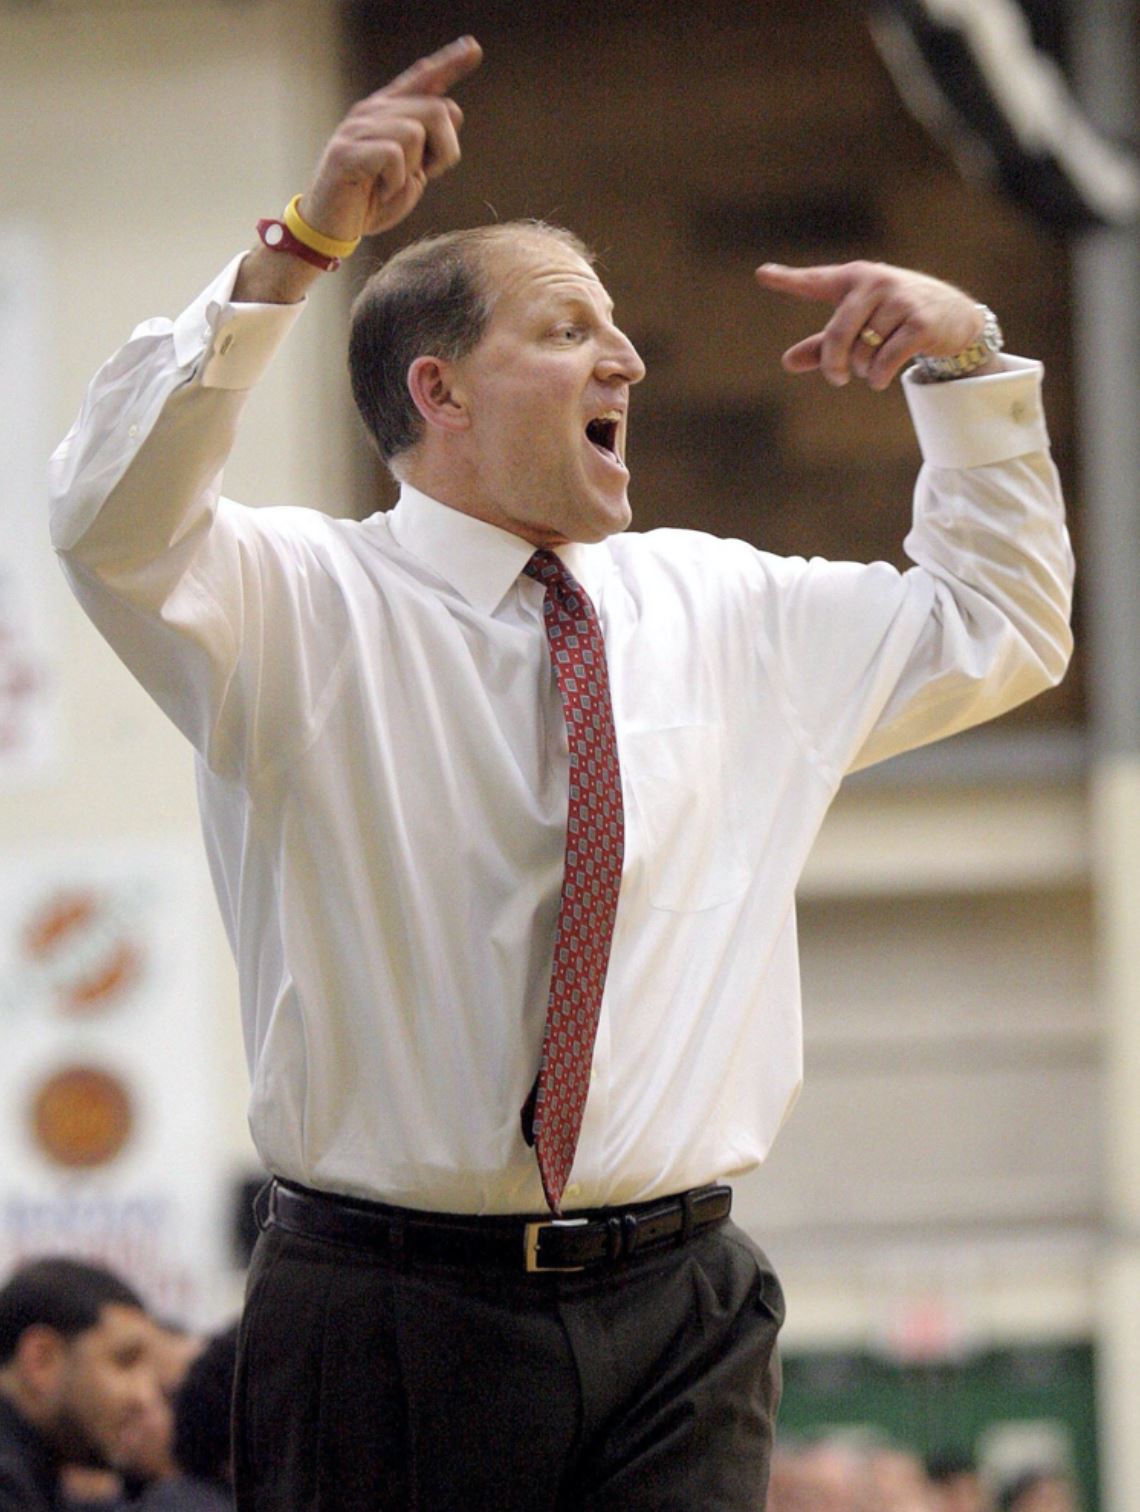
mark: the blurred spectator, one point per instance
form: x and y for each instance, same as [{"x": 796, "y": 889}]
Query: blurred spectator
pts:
[
  {"x": 1039, "y": 1491},
  {"x": 850, "y": 1472},
  {"x": 853, "y": 1472},
  {"x": 956, "y": 1484},
  {"x": 856, "y": 1471},
  {"x": 817, "y": 1477},
  {"x": 149, "y": 1448},
  {"x": 202, "y": 1411},
  {"x": 894, "y": 1480},
  {"x": 75, "y": 1375}
]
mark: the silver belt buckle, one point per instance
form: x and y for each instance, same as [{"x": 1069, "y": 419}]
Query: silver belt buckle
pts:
[{"x": 531, "y": 1232}]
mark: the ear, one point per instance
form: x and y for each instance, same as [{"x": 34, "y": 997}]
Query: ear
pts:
[
  {"x": 40, "y": 1356},
  {"x": 436, "y": 393}
]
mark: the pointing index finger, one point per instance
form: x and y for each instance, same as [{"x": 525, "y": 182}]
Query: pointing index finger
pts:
[
  {"x": 829, "y": 282},
  {"x": 436, "y": 73}
]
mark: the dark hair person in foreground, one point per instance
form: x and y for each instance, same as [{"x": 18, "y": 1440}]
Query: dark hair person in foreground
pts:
[
  {"x": 76, "y": 1376},
  {"x": 506, "y": 805}
]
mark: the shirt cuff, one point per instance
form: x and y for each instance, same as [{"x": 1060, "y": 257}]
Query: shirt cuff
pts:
[
  {"x": 972, "y": 422},
  {"x": 231, "y": 344}
]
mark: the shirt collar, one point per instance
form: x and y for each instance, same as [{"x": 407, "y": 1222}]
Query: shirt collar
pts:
[{"x": 479, "y": 560}]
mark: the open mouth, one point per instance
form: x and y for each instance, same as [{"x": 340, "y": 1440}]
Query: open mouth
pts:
[{"x": 602, "y": 433}]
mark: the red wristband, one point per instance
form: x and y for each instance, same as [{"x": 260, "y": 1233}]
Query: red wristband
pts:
[{"x": 275, "y": 234}]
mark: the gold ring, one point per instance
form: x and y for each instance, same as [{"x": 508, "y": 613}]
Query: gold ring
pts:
[{"x": 872, "y": 338}]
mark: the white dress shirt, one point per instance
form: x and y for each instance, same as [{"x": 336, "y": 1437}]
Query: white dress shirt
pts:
[{"x": 383, "y": 770}]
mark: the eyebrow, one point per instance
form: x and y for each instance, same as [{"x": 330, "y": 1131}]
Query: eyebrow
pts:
[{"x": 569, "y": 299}]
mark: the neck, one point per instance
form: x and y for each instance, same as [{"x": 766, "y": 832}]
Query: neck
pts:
[{"x": 469, "y": 501}]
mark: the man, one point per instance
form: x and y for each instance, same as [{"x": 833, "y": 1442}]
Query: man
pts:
[
  {"x": 75, "y": 1375},
  {"x": 505, "y": 809},
  {"x": 146, "y": 1454}
]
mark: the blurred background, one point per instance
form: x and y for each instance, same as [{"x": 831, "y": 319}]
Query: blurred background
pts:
[{"x": 954, "y": 1207}]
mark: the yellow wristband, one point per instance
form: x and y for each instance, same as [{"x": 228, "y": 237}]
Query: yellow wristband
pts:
[{"x": 308, "y": 237}]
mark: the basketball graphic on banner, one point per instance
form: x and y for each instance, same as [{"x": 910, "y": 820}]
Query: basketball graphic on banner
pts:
[
  {"x": 81, "y": 1117},
  {"x": 80, "y": 940}
]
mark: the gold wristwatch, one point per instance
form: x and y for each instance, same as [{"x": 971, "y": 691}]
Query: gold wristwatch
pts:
[{"x": 979, "y": 352}]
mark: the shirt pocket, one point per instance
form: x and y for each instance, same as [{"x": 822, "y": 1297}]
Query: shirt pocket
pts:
[{"x": 688, "y": 847}]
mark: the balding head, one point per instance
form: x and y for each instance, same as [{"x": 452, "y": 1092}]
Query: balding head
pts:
[{"x": 433, "y": 298}]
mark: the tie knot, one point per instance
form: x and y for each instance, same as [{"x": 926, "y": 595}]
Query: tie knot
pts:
[
  {"x": 562, "y": 587},
  {"x": 546, "y": 567}
]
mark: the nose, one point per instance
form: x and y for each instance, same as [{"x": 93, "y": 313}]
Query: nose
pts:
[
  {"x": 620, "y": 360},
  {"x": 146, "y": 1395}
]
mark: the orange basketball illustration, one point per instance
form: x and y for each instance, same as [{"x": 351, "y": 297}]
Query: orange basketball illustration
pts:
[{"x": 81, "y": 1117}]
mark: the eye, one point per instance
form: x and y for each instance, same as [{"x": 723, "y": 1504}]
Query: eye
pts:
[{"x": 568, "y": 331}]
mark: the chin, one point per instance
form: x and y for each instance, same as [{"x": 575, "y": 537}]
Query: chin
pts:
[
  {"x": 596, "y": 533},
  {"x": 611, "y": 519},
  {"x": 622, "y": 521}
]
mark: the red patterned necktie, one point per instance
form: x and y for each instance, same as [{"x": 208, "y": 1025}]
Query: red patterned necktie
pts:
[{"x": 595, "y": 837}]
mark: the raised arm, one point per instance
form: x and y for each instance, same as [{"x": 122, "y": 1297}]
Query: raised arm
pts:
[
  {"x": 172, "y": 575},
  {"x": 374, "y": 169},
  {"x": 881, "y": 661}
]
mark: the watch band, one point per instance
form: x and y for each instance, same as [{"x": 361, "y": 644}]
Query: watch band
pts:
[
  {"x": 979, "y": 352},
  {"x": 276, "y": 235},
  {"x": 293, "y": 234}
]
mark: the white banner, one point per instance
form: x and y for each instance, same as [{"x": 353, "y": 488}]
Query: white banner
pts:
[
  {"x": 108, "y": 1110},
  {"x": 28, "y": 687}
]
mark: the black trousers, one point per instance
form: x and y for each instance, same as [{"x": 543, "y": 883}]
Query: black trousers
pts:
[{"x": 650, "y": 1386}]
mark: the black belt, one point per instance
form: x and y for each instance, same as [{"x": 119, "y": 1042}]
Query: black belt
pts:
[{"x": 598, "y": 1238}]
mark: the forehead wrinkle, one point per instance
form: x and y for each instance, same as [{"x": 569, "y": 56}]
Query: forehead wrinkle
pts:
[
  {"x": 515, "y": 271},
  {"x": 557, "y": 300},
  {"x": 545, "y": 300}
]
